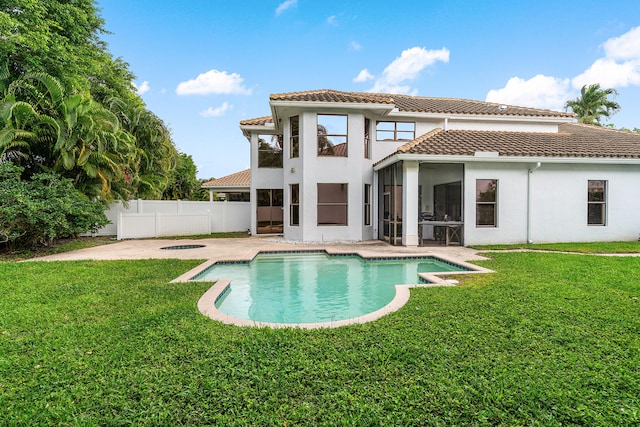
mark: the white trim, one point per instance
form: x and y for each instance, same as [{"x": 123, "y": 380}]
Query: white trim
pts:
[{"x": 443, "y": 158}]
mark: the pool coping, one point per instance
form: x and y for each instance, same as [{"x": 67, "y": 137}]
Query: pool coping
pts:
[{"x": 206, "y": 303}]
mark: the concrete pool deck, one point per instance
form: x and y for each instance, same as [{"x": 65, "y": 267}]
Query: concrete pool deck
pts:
[{"x": 245, "y": 249}]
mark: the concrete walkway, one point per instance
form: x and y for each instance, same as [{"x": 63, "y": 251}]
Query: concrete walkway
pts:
[{"x": 246, "y": 248}]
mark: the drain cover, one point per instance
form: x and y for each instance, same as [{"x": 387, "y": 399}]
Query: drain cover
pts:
[{"x": 179, "y": 247}]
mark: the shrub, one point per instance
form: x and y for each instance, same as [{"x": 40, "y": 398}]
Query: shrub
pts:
[{"x": 44, "y": 209}]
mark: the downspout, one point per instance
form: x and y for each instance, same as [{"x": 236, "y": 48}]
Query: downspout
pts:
[{"x": 529, "y": 197}]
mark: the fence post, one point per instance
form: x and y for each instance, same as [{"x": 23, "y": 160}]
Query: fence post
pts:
[
  {"x": 140, "y": 208},
  {"x": 157, "y": 224},
  {"x": 119, "y": 227}
]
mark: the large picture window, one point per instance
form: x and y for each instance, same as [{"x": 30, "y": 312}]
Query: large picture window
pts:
[
  {"x": 294, "y": 214},
  {"x": 486, "y": 202},
  {"x": 596, "y": 202},
  {"x": 269, "y": 151},
  {"x": 332, "y": 135},
  {"x": 395, "y": 131},
  {"x": 294, "y": 139},
  {"x": 333, "y": 204}
]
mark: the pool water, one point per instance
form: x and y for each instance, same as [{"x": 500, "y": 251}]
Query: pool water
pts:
[{"x": 314, "y": 287}]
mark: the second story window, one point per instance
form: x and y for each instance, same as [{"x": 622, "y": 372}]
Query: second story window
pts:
[
  {"x": 269, "y": 151},
  {"x": 395, "y": 131},
  {"x": 294, "y": 138},
  {"x": 332, "y": 135},
  {"x": 367, "y": 139}
]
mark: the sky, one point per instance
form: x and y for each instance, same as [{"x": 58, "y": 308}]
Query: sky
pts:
[{"x": 204, "y": 65}]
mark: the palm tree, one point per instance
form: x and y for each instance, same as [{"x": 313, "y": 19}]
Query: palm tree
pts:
[
  {"x": 45, "y": 129},
  {"x": 593, "y": 104}
]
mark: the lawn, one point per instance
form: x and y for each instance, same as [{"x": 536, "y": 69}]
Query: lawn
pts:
[{"x": 550, "y": 339}]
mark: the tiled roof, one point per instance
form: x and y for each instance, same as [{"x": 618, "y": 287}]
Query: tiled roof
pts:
[
  {"x": 238, "y": 179},
  {"x": 420, "y": 104},
  {"x": 259, "y": 121},
  {"x": 572, "y": 140},
  {"x": 328, "y": 95}
]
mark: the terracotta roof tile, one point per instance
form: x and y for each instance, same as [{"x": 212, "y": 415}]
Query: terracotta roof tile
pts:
[
  {"x": 572, "y": 140},
  {"x": 418, "y": 103},
  {"x": 259, "y": 121},
  {"x": 238, "y": 179}
]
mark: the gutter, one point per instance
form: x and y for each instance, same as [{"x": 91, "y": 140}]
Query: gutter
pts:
[{"x": 529, "y": 197}]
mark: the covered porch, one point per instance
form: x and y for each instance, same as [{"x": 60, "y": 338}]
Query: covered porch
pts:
[{"x": 421, "y": 203}]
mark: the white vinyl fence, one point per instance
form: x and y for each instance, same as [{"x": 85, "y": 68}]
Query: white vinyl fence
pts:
[{"x": 159, "y": 218}]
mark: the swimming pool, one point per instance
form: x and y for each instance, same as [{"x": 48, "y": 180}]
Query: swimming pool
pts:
[{"x": 295, "y": 288}]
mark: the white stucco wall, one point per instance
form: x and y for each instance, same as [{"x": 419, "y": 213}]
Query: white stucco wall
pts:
[{"x": 558, "y": 203}]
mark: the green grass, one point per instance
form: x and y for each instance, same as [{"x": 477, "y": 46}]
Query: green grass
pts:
[
  {"x": 549, "y": 339},
  {"x": 591, "y": 247},
  {"x": 66, "y": 245}
]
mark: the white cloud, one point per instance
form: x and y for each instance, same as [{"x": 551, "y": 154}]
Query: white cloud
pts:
[
  {"x": 609, "y": 73},
  {"x": 287, "y": 4},
  {"x": 407, "y": 67},
  {"x": 627, "y": 46},
  {"x": 619, "y": 67},
  {"x": 143, "y": 88},
  {"x": 355, "y": 45},
  {"x": 216, "y": 112},
  {"x": 214, "y": 82},
  {"x": 363, "y": 76},
  {"x": 538, "y": 92},
  {"x": 332, "y": 20}
]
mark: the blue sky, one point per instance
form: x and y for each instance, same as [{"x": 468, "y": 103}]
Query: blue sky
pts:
[{"x": 204, "y": 65}]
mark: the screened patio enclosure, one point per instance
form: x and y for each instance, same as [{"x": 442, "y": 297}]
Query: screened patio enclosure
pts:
[{"x": 421, "y": 203}]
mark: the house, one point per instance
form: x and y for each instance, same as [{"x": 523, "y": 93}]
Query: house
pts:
[
  {"x": 346, "y": 166},
  {"x": 234, "y": 188}
]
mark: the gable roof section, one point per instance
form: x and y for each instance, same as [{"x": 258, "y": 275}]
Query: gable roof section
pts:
[
  {"x": 572, "y": 140},
  {"x": 235, "y": 180}
]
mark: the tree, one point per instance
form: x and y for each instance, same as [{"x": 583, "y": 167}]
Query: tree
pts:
[
  {"x": 183, "y": 183},
  {"x": 46, "y": 129},
  {"x": 46, "y": 208},
  {"x": 593, "y": 104}
]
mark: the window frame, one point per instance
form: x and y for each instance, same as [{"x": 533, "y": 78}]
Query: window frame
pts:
[
  {"x": 273, "y": 149},
  {"x": 330, "y": 135},
  {"x": 592, "y": 203},
  {"x": 367, "y": 204},
  {"x": 324, "y": 204},
  {"x": 294, "y": 137},
  {"x": 294, "y": 205},
  {"x": 487, "y": 203},
  {"x": 367, "y": 138},
  {"x": 395, "y": 131}
]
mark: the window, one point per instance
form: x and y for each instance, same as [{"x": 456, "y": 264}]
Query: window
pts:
[
  {"x": 269, "y": 151},
  {"x": 294, "y": 139},
  {"x": 486, "y": 202},
  {"x": 596, "y": 202},
  {"x": 294, "y": 215},
  {"x": 395, "y": 131},
  {"x": 367, "y": 204},
  {"x": 367, "y": 145},
  {"x": 333, "y": 204},
  {"x": 332, "y": 135},
  {"x": 269, "y": 211}
]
